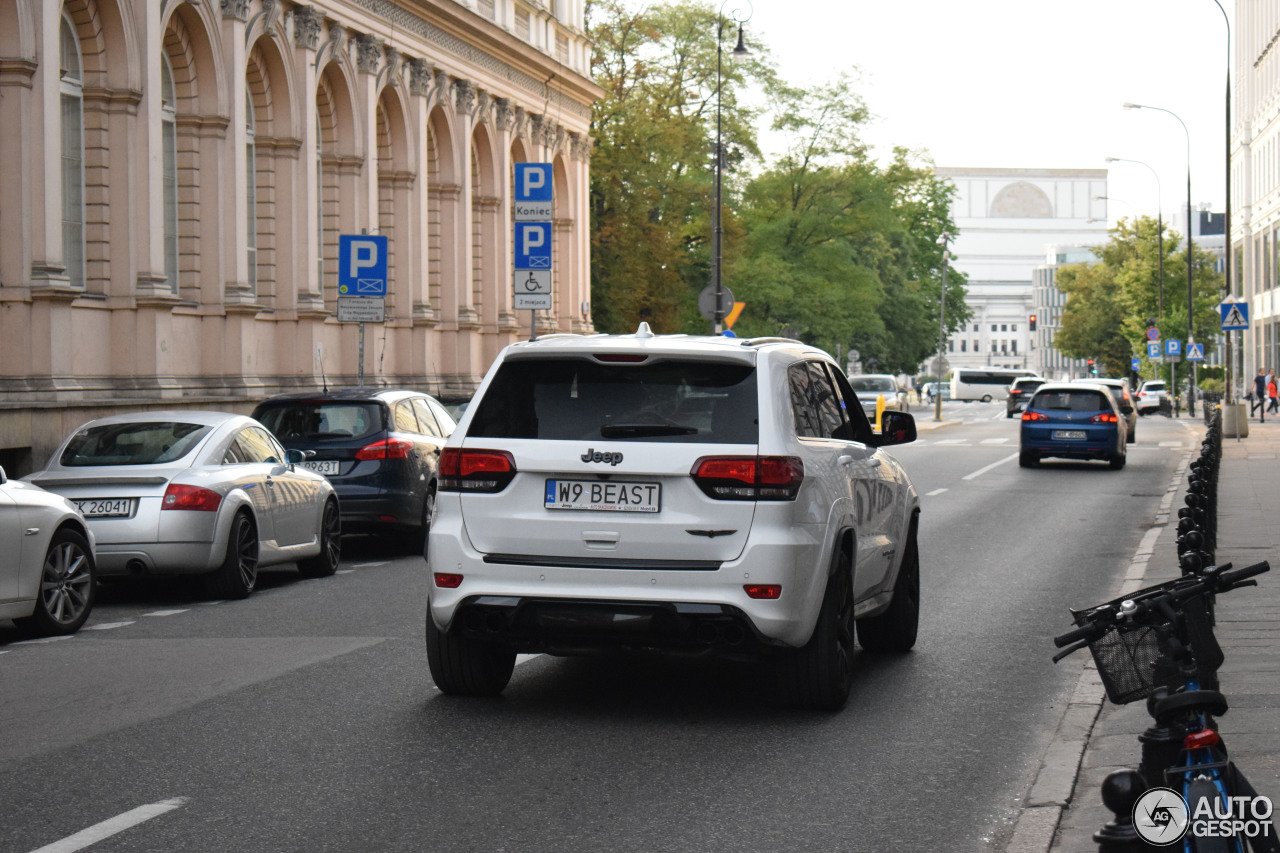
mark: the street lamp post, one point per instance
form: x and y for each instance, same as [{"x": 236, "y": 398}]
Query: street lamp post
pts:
[
  {"x": 1229, "y": 375},
  {"x": 1191, "y": 313},
  {"x": 717, "y": 231},
  {"x": 943, "y": 241},
  {"x": 1159, "y": 225}
]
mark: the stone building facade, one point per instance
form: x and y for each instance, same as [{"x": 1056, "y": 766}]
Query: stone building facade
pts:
[{"x": 176, "y": 173}]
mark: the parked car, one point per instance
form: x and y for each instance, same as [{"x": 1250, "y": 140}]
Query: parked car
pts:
[
  {"x": 189, "y": 492},
  {"x": 869, "y": 386},
  {"x": 380, "y": 448},
  {"x": 1020, "y": 392},
  {"x": 1073, "y": 421},
  {"x": 47, "y": 573},
  {"x": 703, "y": 495},
  {"x": 1119, "y": 389},
  {"x": 1152, "y": 397}
]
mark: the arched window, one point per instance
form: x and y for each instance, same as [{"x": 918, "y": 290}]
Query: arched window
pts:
[
  {"x": 72, "y": 91},
  {"x": 169, "y": 144},
  {"x": 251, "y": 185}
]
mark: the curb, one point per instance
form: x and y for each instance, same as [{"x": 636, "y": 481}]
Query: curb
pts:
[{"x": 1050, "y": 795}]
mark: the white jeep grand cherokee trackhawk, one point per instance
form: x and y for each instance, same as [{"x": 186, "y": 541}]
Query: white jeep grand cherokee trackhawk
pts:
[{"x": 711, "y": 495}]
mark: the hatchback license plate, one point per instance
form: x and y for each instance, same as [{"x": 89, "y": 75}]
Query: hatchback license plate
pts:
[
  {"x": 105, "y": 507},
  {"x": 327, "y": 466},
  {"x": 1067, "y": 434},
  {"x": 602, "y": 495}
]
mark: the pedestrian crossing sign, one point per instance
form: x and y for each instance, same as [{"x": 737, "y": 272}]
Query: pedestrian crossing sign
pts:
[
  {"x": 1195, "y": 352},
  {"x": 1235, "y": 316}
]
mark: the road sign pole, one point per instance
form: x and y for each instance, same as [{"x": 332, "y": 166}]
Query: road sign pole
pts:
[{"x": 360, "y": 361}]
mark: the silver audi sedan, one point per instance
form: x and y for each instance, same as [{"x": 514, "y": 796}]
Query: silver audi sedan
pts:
[
  {"x": 46, "y": 560},
  {"x": 188, "y": 492}
]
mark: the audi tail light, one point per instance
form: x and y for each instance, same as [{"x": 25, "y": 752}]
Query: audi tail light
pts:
[
  {"x": 749, "y": 478},
  {"x": 477, "y": 471},
  {"x": 179, "y": 496}
]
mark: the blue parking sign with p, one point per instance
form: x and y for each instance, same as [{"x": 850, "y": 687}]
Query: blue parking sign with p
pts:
[
  {"x": 362, "y": 265},
  {"x": 533, "y": 246},
  {"x": 533, "y": 182}
]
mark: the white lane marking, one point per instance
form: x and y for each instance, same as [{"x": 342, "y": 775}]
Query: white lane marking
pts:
[
  {"x": 934, "y": 493},
  {"x": 344, "y": 571},
  {"x": 112, "y": 826},
  {"x": 525, "y": 658},
  {"x": 370, "y": 565},
  {"x": 164, "y": 612},
  {"x": 1171, "y": 444},
  {"x": 987, "y": 468},
  {"x": 213, "y": 603},
  {"x": 107, "y": 626},
  {"x": 951, "y": 441},
  {"x": 994, "y": 440}
]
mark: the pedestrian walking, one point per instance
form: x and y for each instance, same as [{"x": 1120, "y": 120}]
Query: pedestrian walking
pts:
[
  {"x": 1258, "y": 400},
  {"x": 1273, "y": 404}
]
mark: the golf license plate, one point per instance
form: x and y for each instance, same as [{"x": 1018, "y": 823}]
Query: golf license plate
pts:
[
  {"x": 1068, "y": 434},
  {"x": 608, "y": 496},
  {"x": 105, "y": 507},
  {"x": 327, "y": 466}
]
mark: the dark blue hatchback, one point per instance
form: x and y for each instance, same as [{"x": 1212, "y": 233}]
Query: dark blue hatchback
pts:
[
  {"x": 1073, "y": 421},
  {"x": 378, "y": 447}
]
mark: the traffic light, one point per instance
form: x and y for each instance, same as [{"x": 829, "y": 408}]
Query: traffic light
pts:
[
  {"x": 1033, "y": 322},
  {"x": 1093, "y": 368}
]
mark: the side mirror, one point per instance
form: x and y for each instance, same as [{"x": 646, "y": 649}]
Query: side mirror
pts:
[
  {"x": 294, "y": 457},
  {"x": 1126, "y": 409},
  {"x": 896, "y": 428},
  {"x": 3, "y": 478}
]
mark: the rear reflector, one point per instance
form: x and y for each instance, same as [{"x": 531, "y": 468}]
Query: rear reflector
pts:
[
  {"x": 483, "y": 471},
  {"x": 768, "y": 591},
  {"x": 448, "y": 581},
  {"x": 178, "y": 496}
]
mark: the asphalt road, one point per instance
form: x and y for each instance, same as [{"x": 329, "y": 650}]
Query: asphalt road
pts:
[{"x": 304, "y": 718}]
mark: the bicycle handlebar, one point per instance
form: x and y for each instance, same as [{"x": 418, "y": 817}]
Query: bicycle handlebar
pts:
[{"x": 1160, "y": 598}]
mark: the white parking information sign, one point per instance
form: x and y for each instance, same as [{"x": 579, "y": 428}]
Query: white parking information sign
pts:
[{"x": 533, "y": 206}]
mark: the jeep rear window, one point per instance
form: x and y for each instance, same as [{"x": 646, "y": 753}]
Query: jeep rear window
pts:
[
  {"x": 580, "y": 399},
  {"x": 321, "y": 420}
]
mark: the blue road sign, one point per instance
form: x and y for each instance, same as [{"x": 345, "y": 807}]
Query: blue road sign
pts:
[
  {"x": 362, "y": 265},
  {"x": 533, "y": 246},
  {"x": 1135, "y": 363},
  {"x": 1172, "y": 347},
  {"x": 1153, "y": 349},
  {"x": 1235, "y": 316},
  {"x": 533, "y": 182},
  {"x": 1195, "y": 352}
]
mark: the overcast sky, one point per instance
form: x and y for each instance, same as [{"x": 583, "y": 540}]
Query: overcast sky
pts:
[{"x": 1028, "y": 83}]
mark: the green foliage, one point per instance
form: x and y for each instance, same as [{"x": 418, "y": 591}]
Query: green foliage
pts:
[{"x": 821, "y": 243}]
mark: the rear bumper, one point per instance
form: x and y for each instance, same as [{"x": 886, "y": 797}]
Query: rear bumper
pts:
[
  {"x": 362, "y": 510},
  {"x": 159, "y": 558}
]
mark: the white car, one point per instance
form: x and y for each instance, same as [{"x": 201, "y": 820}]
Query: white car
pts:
[
  {"x": 189, "y": 492},
  {"x": 705, "y": 495},
  {"x": 47, "y": 572},
  {"x": 869, "y": 386},
  {"x": 1153, "y": 396}
]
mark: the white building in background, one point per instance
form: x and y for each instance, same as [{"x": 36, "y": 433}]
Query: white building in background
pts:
[
  {"x": 1255, "y": 181},
  {"x": 1006, "y": 219}
]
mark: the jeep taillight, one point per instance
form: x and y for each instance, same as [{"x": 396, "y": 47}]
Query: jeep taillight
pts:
[
  {"x": 482, "y": 471},
  {"x": 749, "y": 478}
]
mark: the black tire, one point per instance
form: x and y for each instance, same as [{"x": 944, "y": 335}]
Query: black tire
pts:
[
  {"x": 1028, "y": 460},
  {"x": 817, "y": 676},
  {"x": 238, "y": 574},
  {"x": 1117, "y": 461},
  {"x": 894, "y": 630},
  {"x": 461, "y": 666},
  {"x": 986, "y": 398},
  {"x": 66, "y": 589},
  {"x": 325, "y": 563}
]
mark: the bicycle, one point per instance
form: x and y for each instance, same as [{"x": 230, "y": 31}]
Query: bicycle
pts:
[{"x": 1157, "y": 644}]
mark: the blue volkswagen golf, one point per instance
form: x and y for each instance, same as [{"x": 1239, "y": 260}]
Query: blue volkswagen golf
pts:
[{"x": 1073, "y": 421}]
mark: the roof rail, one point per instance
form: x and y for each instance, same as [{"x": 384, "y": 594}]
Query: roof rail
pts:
[
  {"x": 750, "y": 342},
  {"x": 548, "y": 337}
]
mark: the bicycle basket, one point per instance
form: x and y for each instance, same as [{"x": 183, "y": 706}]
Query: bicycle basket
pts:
[{"x": 1125, "y": 656}]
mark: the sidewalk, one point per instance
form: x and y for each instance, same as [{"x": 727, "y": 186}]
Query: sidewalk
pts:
[{"x": 1067, "y": 791}]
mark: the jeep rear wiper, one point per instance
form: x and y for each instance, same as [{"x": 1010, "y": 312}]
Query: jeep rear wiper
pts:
[{"x": 635, "y": 430}]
